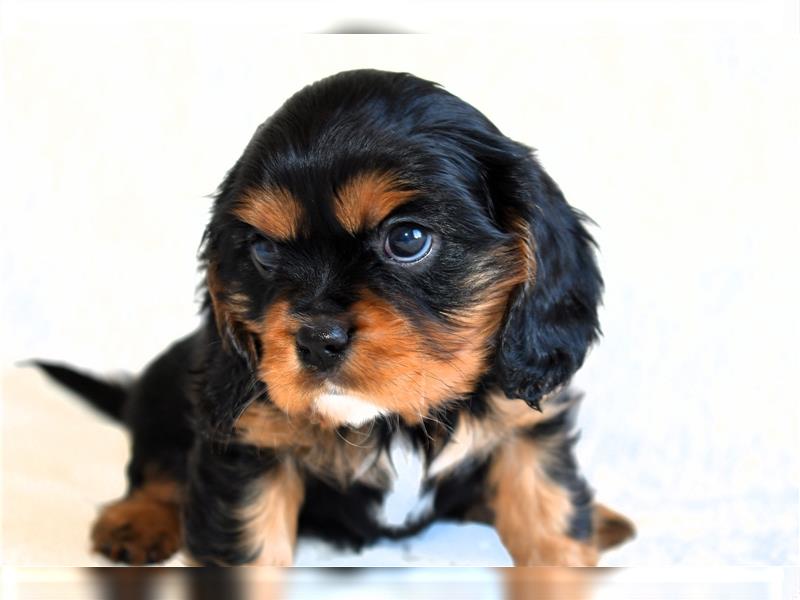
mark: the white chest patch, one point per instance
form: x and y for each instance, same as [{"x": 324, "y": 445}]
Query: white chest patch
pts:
[
  {"x": 345, "y": 409},
  {"x": 406, "y": 501}
]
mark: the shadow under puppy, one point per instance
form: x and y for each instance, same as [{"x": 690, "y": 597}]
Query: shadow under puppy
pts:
[{"x": 387, "y": 275}]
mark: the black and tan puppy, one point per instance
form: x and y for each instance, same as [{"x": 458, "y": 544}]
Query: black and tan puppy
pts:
[{"x": 386, "y": 272}]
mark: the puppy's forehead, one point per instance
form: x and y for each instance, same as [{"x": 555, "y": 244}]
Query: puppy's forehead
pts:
[{"x": 360, "y": 204}]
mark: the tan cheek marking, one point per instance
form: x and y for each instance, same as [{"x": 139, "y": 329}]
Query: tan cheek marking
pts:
[
  {"x": 367, "y": 200},
  {"x": 486, "y": 317},
  {"x": 531, "y": 512},
  {"x": 275, "y": 212},
  {"x": 390, "y": 366},
  {"x": 289, "y": 387},
  {"x": 390, "y": 362},
  {"x": 271, "y": 515}
]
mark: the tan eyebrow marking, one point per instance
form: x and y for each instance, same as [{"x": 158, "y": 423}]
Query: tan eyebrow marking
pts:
[
  {"x": 273, "y": 211},
  {"x": 367, "y": 199}
]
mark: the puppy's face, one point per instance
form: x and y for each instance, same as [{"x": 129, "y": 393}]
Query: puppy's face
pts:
[
  {"x": 377, "y": 295},
  {"x": 356, "y": 258}
]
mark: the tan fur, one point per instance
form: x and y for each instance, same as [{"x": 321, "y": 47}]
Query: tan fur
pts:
[
  {"x": 230, "y": 310},
  {"x": 477, "y": 437},
  {"x": 271, "y": 515},
  {"x": 532, "y": 512},
  {"x": 340, "y": 457},
  {"x": 551, "y": 583},
  {"x": 289, "y": 386},
  {"x": 145, "y": 526},
  {"x": 527, "y": 248},
  {"x": 265, "y": 426},
  {"x": 274, "y": 212},
  {"x": 610, "y": 527},
  {"x": 389, "y": 363},
  {"x": 367, "y": 200}
]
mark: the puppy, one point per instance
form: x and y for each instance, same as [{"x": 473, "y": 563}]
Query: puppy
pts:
[{"x": 387, "y": 275}]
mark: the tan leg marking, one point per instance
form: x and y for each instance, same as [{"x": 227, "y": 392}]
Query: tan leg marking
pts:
[
  {"x": 551, "y": 583},
  {"x": 532, "y": 512},
  {"x": 272, "y": 514},
  {"x": 142, "y": 528}
]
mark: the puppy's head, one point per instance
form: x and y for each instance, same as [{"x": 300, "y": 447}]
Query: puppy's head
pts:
[{"x": 381, "y": 248}]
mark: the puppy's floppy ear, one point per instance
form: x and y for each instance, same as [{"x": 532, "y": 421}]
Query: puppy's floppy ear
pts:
[
  {"x": 229, "y": 316},
  {"x": 552, "y": 317},
  {"x": 227, "y": 308}
]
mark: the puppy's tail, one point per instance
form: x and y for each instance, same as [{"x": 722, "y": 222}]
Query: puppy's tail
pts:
[{"x": 106, "y": 396}]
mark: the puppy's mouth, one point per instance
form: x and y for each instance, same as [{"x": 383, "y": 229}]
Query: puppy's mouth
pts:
[{"x": 340, "y": 406}]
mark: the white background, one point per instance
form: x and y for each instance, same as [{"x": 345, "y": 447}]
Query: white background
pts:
[{"x": 675, "y": 126}]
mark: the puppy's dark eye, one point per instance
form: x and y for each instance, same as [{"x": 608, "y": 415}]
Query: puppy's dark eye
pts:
[
  {"x": 263, "y": 252},
  {"x": 408, "y": 243}
]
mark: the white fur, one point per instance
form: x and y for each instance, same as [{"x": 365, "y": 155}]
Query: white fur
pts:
[
  {"x": 405, "y": 502},
  {"x": 343, "y": 408}
]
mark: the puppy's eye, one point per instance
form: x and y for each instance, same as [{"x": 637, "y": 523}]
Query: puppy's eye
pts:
[
  {"x": 263, "y": 252},
  {"x": 408, "y": 243}
]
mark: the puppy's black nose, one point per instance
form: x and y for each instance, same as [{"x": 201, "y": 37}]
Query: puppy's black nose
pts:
[{"x": 321, "y": 344}]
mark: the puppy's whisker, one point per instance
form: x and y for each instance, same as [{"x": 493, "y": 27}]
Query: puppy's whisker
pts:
[{"x": 348, "y": 442}]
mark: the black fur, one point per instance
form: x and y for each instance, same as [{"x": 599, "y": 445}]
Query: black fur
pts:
[
  {"x": 473, "y": 187},
  {"x": 340, "y": 516},
  {"x": 553, "y": 319},
  {"x": 106, "y": 396},
  {"x": 219, "y": 486}
]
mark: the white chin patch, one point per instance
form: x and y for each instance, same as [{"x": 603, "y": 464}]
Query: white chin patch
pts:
[{"x": 345, "y": 409}]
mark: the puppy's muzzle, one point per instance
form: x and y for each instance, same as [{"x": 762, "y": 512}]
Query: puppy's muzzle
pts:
[{"x": 323, "y": 342}]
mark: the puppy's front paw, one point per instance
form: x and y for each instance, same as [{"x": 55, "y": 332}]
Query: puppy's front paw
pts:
[{"x": 137, "y": 531}]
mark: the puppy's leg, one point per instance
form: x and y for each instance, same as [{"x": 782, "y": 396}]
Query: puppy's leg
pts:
[
  {"x": 540, "y": 504},
  {"x": 271, "y": 514},
  {"x": 144, "y": 526},
  {"x": 242, "y": 506},
  {"x": 538, "y": 518},
  {"x": 543, "y": 509}
]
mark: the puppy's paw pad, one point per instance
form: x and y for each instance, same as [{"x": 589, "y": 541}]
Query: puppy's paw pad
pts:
[{"x": 137, "y": 531}]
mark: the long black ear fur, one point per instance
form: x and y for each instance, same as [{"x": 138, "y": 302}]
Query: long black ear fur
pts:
[{"x": 552, "y": 317}]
